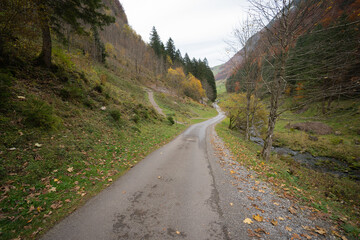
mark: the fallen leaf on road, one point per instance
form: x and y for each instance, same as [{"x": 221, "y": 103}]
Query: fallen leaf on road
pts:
[
  {"x": 177, "y": 232},
  {"x": 295, "y": 236},
  {"x": 292, "y": 210},
  {"x": 231, "y": 204},
  {"x": 248, "y": 221},
  {"x": 258, "y": 218},
  {"x": 320, "y": 230},
  {"x": 273, "y": 222},
  {"x": 288, "y": 228},
  {"x": 306, "y": 236},
  {"x": 276, "y": 203},
  {"x": 159, "y": 177},
  {"x": 260, "y": 230}
]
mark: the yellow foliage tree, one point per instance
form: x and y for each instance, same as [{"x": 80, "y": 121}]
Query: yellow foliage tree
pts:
[
  {"x": 193, "y": 88},
  {"x": 188, "y": 85},
  {"x": 235, "y": 108}
]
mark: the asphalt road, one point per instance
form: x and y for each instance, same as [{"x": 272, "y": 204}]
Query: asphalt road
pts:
[
  {"x": 170, "y": 194},
  {"x": 192, "y": 188}
]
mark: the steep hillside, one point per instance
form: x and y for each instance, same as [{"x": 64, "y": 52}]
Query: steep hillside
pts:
[
  {"x": 338, "y": 9},
  {"x": 68, "y": 131}
]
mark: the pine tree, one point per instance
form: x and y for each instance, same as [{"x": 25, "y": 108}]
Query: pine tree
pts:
[
  {"x": 155, "y": 42},
  {"x": 170, "y": 49},
  {"x": 53, "y": 15}
]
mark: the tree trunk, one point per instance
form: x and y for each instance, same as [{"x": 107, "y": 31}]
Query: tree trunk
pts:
[
  {"x": 45, "y": 55},
  {"x": 266, "y": 151},
  {"x": 247, "y": 130}
]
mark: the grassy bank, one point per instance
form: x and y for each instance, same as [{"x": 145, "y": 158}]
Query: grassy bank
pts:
[
  {"x": 342, "y": 143},
  {"x": 336, "y": 198},
  {"x": 67, "y": 133},
  {"x": 184, "y": 109}
]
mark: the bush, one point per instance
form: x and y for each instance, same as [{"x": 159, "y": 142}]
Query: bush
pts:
[
  {"x": 99, "y": 88},
  {"x": 5, "y": 84},
  {"x": 71, "y": 92},
  {"x": 115, "y": 114},
  {"x": 38, "y": 113},
  {"x": 171, "y": 120}
]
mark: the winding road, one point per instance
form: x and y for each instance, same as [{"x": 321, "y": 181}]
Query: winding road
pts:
[{"x": 188, "y": 189}]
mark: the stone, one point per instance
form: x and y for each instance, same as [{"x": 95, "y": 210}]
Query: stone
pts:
[{"x": 338, "y": 133}]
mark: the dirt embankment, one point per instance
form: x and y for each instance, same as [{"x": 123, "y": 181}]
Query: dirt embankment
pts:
[{"x": 312, "y": 127}]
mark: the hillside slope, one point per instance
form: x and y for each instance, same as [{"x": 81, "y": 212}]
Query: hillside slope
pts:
[{"x": 70, "y": 130}]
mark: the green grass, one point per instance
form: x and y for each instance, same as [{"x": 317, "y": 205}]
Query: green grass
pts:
[
  {"x": 72, "y": 132},
  {"x": 337, "y": 197},
  {"x": 220, "y": 87},
  {"x": 342, "y": 118},
  {"x": 184, "y": 110}
]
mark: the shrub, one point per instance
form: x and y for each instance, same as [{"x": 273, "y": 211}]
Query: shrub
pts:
[
  {"x": 71, "y": 92},
  {"x": 99, "y": 88},
  {"x": 5, "y": 84},
  {"x": 115, "y": 114},
  {"x": 171, "y": 120},
  {"x": 38, "y": 113}
]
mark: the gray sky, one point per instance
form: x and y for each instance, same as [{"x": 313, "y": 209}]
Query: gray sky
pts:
[{"x": 198, "y": 27}]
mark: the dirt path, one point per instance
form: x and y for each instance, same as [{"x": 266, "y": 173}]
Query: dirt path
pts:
[{"x": 152, "y": 101}]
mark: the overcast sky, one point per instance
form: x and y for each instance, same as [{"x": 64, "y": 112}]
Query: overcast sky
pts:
[{"x": 198, "y": 27}]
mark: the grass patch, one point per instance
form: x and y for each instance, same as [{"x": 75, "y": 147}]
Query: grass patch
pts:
[
  {"x": 337, "y": 197},
  {"x": 343, "y": 144},
  {"x": 184, "y": 110}
]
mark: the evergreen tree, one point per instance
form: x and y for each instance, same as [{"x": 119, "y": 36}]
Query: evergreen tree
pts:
[
  {"x": 170, "y": 49},
  {"x": 155, "y": 42},
  {"x": 53, "y": 15},
  {"x": 178, "y": 58}
]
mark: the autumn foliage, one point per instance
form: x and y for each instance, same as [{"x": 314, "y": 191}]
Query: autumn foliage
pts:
[{"x": 187, "y": 85}]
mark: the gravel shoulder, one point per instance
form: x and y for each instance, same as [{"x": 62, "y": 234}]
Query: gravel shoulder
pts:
[{"x": 243, "y": 198}]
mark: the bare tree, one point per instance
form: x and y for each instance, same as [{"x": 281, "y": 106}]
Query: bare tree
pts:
[
  {"x": 246, "y": 39},
  {"x": 283, "y": 21}
]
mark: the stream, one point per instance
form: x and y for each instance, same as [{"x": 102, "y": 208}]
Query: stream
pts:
[{"x": 328, "y": 165}]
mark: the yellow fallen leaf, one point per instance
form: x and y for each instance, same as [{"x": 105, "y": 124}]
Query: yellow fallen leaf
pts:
[
  {"x": 177, "y": 232},
  {"x": 56, "y": 180},
  {"x": 273, "y": 222},
  {"x": 288, "y": 228},
  {"x": 232, "y": 171},
  {"x": 276, "y": 203},
  {"x": 292, "y": 210},
  {"x": 258, "y": 218},
  {"x": 248, "y": 221},
  {"x": 231, "y": 204},
  {"x": 320, "y": 230},
  {"x": 110, "y": 180},
  {"x": 281, "y": 218}
]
